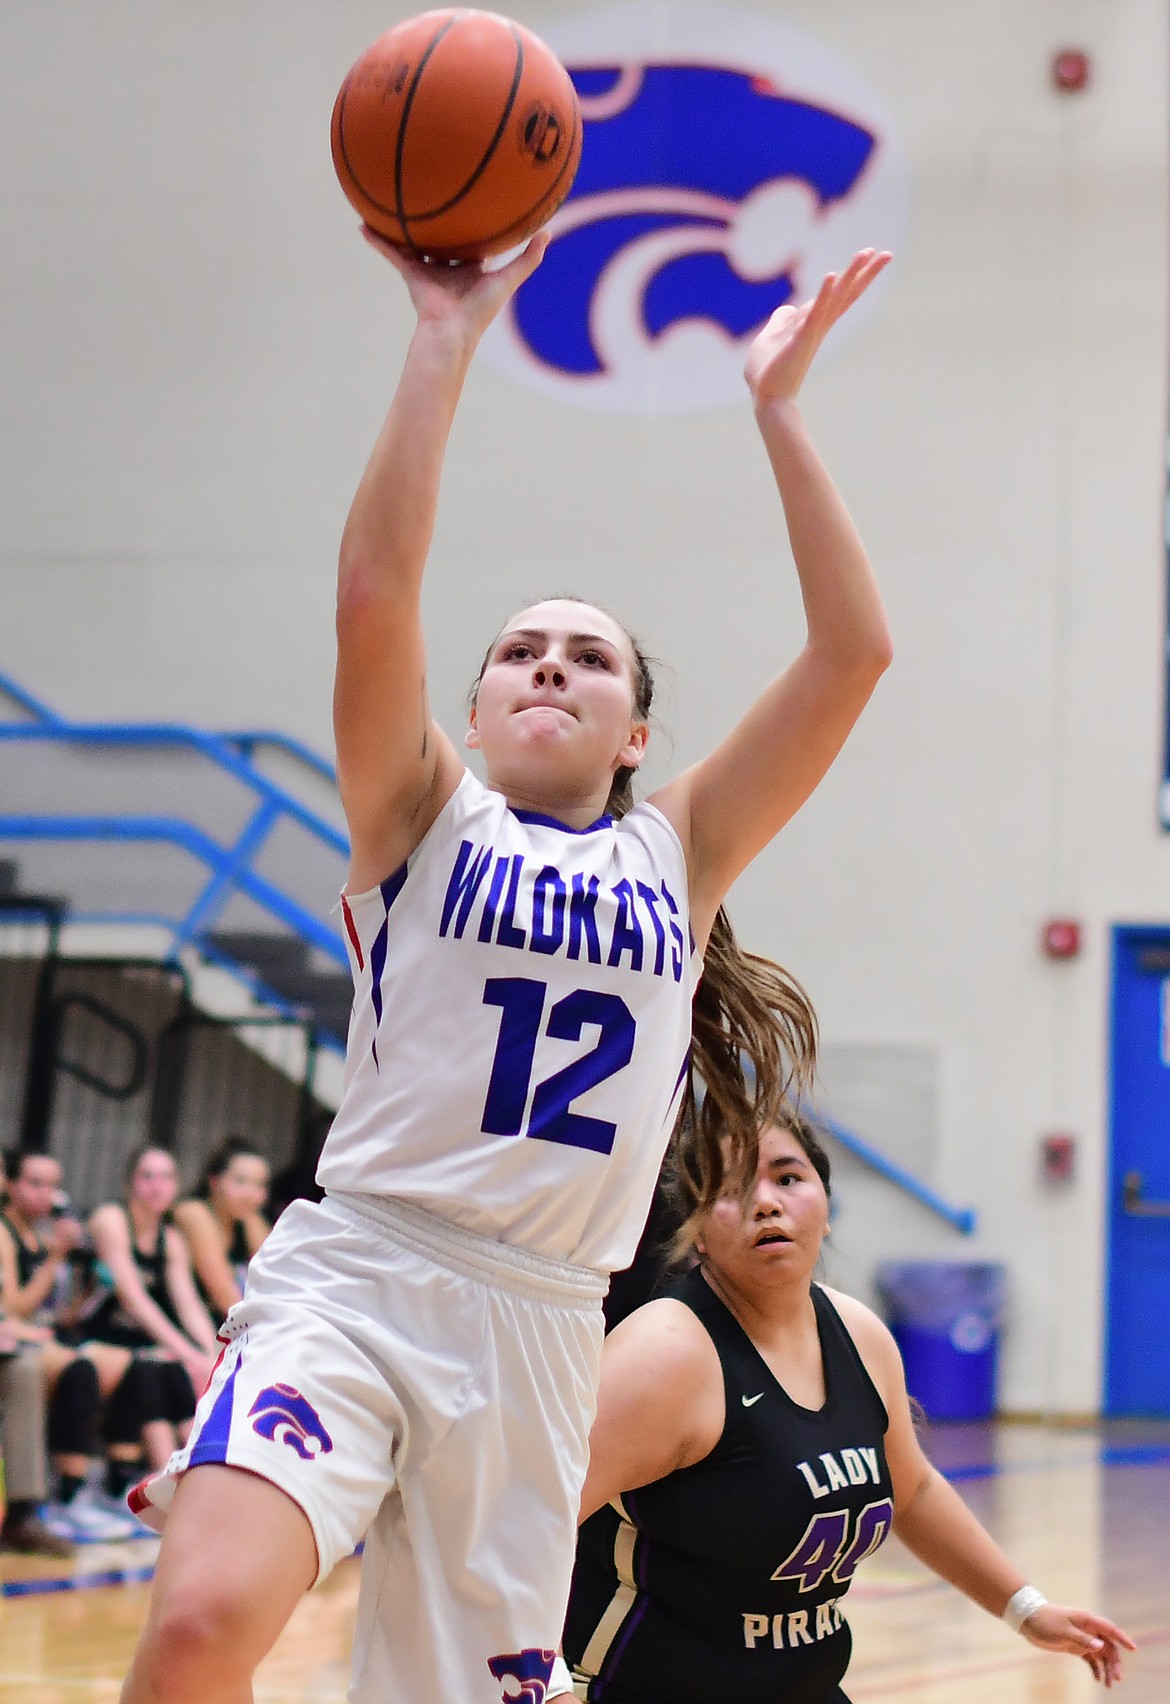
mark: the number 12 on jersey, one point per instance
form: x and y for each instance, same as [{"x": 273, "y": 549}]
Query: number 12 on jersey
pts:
[{"x": 521, "y": 1000}]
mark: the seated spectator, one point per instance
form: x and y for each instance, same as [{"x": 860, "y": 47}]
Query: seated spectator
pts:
[
  {"x": 22, "y": 1442},
  {"x": 35, "y": 1251},
  {"x": 147, "y": 1303},
  {"x": 22, "y": 1438},
  {"x": 224, "y": 1223}
]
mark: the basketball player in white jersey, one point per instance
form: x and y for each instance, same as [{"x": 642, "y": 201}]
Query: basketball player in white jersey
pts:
[{"x": 416, "y": 1356}]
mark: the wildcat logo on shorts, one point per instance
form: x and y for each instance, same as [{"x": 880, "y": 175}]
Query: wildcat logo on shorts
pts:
[
  {"x": 283, "y": 1414},
  {"x": 529, "y": 1673},
  {"x": 729, "y": 162}
]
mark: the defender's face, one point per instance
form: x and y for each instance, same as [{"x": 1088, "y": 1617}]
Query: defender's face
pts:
[
  {"x": 554, "y": 710},
  {"x": 773, "y": 1233}
]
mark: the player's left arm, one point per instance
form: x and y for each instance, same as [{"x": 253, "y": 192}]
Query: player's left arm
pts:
[
  {"x": 14, "y": 1326},
  {"x": 195, "y": 1222},
  {"x": 933, "y": 1521},
  {"x": 9, "y": 1273},
  {"x": 731, "y": 804}
]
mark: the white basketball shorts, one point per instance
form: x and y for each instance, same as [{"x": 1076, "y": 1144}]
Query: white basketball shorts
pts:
[{"x": 409, "y": 1382}]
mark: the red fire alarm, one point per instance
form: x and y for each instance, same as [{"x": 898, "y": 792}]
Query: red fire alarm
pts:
[
  {"x": 1058, "y": 1157},
  {"x": 1061, "y": 938},
  {"x": 1071, "y": 70}
]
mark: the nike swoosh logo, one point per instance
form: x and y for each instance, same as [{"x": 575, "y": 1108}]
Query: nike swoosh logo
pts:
[{"x": 750, "y": 1401}]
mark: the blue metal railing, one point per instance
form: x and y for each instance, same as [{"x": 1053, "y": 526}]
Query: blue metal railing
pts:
[
  {"x": 962, "y": 1219},
  {"x": 212, "y": 746},
  {"x": 230, "y": 867},
  {"x": 247, "y": 739},
  {"x": 230, "y": 871}
]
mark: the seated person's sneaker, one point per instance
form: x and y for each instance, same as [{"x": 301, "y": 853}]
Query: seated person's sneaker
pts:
[
  {"x": 103, "y": 1498},
  {"x": 91, "y": 1517},
  {"x": 26, "y": 1532}
]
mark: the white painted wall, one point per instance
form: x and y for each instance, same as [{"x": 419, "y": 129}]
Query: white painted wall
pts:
[{"x": 196, "y": 350}]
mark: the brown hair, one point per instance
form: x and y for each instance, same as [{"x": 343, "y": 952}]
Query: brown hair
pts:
[
  {"x": 136, "y": 1156},
  {"x": 753, "y": 1029},
  {"x": 219, "y": 1161}
]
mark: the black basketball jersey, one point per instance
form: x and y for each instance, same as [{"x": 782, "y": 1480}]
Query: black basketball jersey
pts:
[
  {"x": 109, "y": 1321},
  {"x": 724, "y": 1580},
  {"x": 239, "y": 1256},
  {"x": 28, "y": 1260}
]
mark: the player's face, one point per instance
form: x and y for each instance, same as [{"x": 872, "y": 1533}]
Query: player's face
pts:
[
  {"x": 35, "y": 1186},
  {"x": 554, "y": 712},
  {"x": 243, "y": 1188},
  {"x": 155, "y": 1182},
  {"x": 772, "y": 1234}
]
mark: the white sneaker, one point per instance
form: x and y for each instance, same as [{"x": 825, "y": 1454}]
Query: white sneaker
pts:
[
  {"x": 88, "y": 1518},
  {"x": 120, "y": 1509}
]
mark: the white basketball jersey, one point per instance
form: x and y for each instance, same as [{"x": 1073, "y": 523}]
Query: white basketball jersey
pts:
[{"x": 520, "y": 1028}]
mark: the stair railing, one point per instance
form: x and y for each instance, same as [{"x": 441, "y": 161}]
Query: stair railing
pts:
[
  {"x": 961, "y": 1219},
  {"x": 231, "y": 868}
]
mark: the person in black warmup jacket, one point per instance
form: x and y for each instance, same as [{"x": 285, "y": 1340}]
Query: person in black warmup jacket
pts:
[{"x": 753, "y": 1445}]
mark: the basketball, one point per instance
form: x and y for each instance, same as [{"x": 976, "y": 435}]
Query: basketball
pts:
[{"x": 457, "y": 134}]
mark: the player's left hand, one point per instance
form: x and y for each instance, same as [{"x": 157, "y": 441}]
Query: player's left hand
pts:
[
  {"x": 782, "y": 353},
  {"x": 1098, "y": 1642}
]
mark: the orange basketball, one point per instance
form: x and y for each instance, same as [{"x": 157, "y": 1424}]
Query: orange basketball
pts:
[{"x": 457, "y": 134}]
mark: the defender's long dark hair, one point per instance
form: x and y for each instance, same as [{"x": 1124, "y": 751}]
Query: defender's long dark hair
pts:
[{"x": 753, "y": 1029}]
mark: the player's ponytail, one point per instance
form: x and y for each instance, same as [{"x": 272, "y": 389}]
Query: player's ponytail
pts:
[{"x": 753, "y": 1051}]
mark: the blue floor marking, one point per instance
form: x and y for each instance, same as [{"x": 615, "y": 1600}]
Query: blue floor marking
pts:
[
  {"x": 1135, "y": 1455},
  {"x": 77, "y": 1582},
  {"x": 86, "y": 1582}
]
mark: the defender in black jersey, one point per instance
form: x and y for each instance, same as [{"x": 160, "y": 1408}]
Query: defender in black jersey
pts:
[
  {"x": 736, "y": 1566},
  {"x": 753, "y": 1445}
]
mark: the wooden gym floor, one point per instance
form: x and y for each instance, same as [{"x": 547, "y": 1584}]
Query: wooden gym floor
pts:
[{"x": 1086, "y": 1512}]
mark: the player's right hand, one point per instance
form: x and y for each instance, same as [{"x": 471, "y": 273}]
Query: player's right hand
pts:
[{"x": 467, "y": 296}]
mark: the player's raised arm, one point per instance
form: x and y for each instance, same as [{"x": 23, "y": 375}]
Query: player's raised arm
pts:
[
  {"x": 731, "y": 804},
  {"x": 396, "y": 768}
]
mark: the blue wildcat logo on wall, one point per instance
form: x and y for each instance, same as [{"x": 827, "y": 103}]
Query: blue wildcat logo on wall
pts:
[{"x": 729, "y": 162}]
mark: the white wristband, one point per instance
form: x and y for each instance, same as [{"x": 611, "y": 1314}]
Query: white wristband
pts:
[
  {"x": 560, "y": 1680},
  {"x": 1021, "y": 1605}
]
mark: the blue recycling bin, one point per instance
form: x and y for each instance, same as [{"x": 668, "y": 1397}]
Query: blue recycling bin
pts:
[{"x": 946, "y": 1318}]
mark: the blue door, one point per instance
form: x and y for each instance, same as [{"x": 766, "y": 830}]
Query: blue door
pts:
[{"x": 1137, "y": 1356}]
